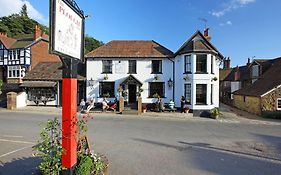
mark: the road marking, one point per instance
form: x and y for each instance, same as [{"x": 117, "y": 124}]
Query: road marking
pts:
[
  {"x": 16, "y": 141},
  {"x": 12, "y": 136},
  {"x": 3, "y": 155}
]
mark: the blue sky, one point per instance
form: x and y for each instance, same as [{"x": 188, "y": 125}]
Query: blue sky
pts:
[{"x": 239, "y": 28}]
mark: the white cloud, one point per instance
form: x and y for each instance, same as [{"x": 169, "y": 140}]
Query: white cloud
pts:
[
  {"x": 227, "y": 23},
  {"x": 14, "y": 6},
  {"x": 231, "y": 5}
]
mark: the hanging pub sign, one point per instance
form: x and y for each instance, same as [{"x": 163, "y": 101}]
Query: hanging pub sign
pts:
[{"x": 67, "y": 29}]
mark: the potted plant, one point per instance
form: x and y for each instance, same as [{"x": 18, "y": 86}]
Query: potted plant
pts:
[
  {"x": 215, "y": 112},
  {"x": 105, "y": 77}
]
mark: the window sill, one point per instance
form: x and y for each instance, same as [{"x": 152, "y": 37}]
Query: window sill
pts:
[
  {"x": 106, "y": 73},
  {"x": 200, "y": 104},
  {"x": 201, "y": 72},
  {"x": 187, "y": 73},
  {"x": 156, "y": 73}
]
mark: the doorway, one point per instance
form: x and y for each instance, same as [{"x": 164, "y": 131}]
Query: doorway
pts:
[{"x": 132, "y": 93}]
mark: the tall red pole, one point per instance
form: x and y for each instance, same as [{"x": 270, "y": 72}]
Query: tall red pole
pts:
[{"x": 69, "y": 116}]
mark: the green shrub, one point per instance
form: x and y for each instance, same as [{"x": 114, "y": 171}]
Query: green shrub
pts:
[
  {"x": 215, "y": 112},
  {"x": 271, "y": 114},
  {"x": 85, "y": 165}
]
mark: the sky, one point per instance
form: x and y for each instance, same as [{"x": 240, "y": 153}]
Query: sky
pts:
[{"x": 240, "y": 29}]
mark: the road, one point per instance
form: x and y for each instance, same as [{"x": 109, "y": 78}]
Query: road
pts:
[{"x": 159, "y": 146}]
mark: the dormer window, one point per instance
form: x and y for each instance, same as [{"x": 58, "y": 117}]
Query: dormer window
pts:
[
  {"x": 255, "y": 71},
  {"x": 201, "y": 63}
]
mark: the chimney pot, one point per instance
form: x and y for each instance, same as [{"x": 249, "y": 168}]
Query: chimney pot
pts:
[
  {"x": 3, "y": 34},
  {"x": 37, "y": 32},
  {"x": 236, "y": 73}
]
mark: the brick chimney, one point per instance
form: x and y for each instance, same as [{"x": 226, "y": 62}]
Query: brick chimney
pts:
[
  {"x": 206, "y": 34},
  {"x": 249, "y": 62},
  {"x": 226, "y": 63},
  {"x": 3, "y": 34},
  {"x": 236, "y": 74},
  {"x": 37, "y": 32}
]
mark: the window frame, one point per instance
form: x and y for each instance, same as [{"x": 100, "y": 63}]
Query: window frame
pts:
[
  {"x": 134, "y": 67},
  {"x": 212, "y": 64},
  {"x": 111, "y": 91},
  {"x": 187, "y": 65},
  {"x": 104, "y": 71},
  {"x": 277, "y": 105},
  {"x": 150, "y": 94},
  {"x": 187, "y": 92},
  {"x": 159, "y": 68},
  {"x": 15, "y": 72},
  {"x": 203, "y": 94},
  {"x": 205, "y": 71}
]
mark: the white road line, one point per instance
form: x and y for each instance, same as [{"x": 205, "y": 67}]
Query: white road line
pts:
[
  {"x": 12, "y": 136},
  {"x": 16, "y": 141},
  {"x": 3, "y": 155}
]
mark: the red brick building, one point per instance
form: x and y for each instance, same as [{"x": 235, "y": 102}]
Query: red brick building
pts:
[{"x": 21, "y": 54}]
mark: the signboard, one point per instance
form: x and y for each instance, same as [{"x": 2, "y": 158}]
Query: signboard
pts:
[{"x": 67, "y": 29}]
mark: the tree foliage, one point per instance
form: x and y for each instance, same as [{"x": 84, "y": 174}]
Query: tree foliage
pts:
[
  {"x": 91, "y": 44},
  {"x": 16, "y": 24},
  {"x": 23, "y": 11}
]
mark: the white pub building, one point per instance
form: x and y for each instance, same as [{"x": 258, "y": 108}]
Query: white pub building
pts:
[{"x": 149, "y": 69}]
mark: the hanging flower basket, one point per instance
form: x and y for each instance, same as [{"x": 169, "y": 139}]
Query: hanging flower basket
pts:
[
  {"x": 186, "y": 78},
  {"x": 157, "y": 77},
  {"x": 105, "y": 77}
]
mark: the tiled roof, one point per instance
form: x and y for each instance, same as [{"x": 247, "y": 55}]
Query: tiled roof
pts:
[
  {"x": 20, "y": 41},
  {"x": 266, "y": 82},
  {"x": 131, "y": 49},
  {"x": 48, "y": 71},
  {"x": 198, "y": 43},
  {"x": 244, "y": 74},
  {"x": 8, "y": 42},
  {"x": 224, "y": 73}
]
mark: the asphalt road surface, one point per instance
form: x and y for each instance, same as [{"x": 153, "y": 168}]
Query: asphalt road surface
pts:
[{"x": 154, "y": 146}]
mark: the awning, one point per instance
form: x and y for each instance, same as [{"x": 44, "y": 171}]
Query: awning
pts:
[
  {"x": 38, "y": 84},
  {"x": 131, "y": 80}
]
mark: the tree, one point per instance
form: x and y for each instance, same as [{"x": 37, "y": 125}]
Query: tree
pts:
[
  {"x": 23, "y": 11},
  {"x": 91, "y": 44}
]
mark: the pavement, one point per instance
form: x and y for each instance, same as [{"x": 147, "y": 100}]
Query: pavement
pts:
[
  {"x": 228, "y": 114},
  {"x": 137, "y": 145}
]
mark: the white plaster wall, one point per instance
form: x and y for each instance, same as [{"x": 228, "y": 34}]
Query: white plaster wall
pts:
[
  {"x": 194, "y": 79},
  {"x": 21, "y": 100},
  {"x": 94, "y": 71}
]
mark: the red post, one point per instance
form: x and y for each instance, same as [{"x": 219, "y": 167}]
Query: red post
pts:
[{"x": 69, "y": 118}]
